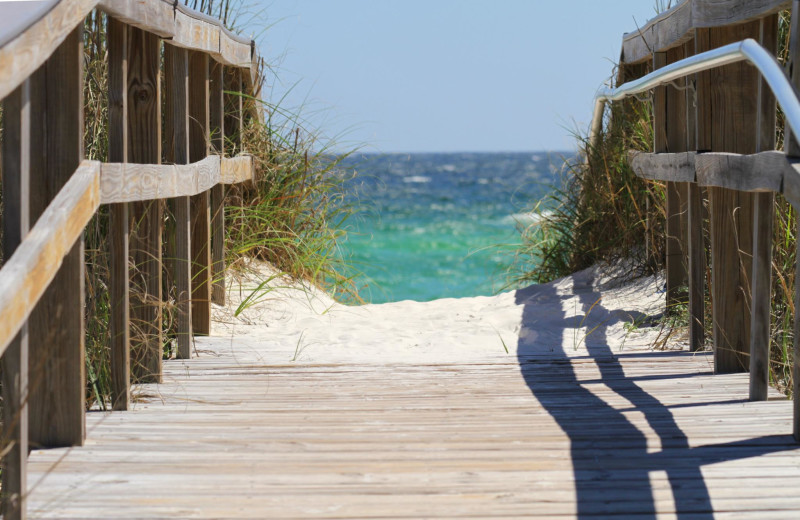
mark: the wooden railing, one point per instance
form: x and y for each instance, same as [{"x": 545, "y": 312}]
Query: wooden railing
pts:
[
  {"x": 50, "y": 193},
  {"x": 714, "y": 134}
]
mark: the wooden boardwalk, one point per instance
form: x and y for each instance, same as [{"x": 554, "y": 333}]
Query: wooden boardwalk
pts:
[{"x": 588, "y": 437}]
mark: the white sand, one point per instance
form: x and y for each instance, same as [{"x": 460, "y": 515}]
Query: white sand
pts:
[{"x": 293, "y": 323}]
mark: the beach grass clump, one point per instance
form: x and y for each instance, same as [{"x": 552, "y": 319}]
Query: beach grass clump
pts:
[{"x": 600, "y": 211}]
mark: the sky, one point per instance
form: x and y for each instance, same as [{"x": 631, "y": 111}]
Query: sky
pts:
[{"x": 442, "y": 75}]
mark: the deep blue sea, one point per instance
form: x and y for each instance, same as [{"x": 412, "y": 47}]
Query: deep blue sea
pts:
[{"x": 432, "y": 220}]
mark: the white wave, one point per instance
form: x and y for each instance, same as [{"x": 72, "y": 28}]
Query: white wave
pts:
[
  {"x": 527, "y": 218},
  {"x": 417, "y": 178}
]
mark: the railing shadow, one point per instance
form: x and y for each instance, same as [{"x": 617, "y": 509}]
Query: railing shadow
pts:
[{"x": 612, "y": 464}]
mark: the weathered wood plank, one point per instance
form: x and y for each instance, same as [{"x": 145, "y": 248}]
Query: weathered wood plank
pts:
[
  {"x": 176, "y": 65},
  {"x": 20, "y": 57},
  {"x": 119, "y": 322},
  {"x": 26, "y": 275},
  {"x": 56, "y": 325},
  {"x": 675, "y": 26},
  {"x": 200, "y": 204},
  {"x": 143, "y": 182},
  {"x": 673, "y": 167},
  {"x": 237, "y": 169},
  {"x": 16, "y": 149},
  {"x": 763, "y": 236},
  {"x": 727, "y": 115},
  {"x": 144, "y": 146},
  {"x": 217, "y": 195}
]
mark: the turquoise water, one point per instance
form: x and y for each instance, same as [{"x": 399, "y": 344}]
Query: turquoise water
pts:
[{"x": 433, "y": 219}]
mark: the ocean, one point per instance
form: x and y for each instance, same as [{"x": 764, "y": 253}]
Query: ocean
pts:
[{"x": 432, "y": 222}]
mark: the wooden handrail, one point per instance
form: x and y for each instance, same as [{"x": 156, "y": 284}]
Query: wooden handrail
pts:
[
  {"x": 130, "y": 182},
  {"x": 677, "y": 25},
  {"x": 27, "y": 51},
  {"x": 763, "y": 171},
  {"x": 26, "y": 275}
]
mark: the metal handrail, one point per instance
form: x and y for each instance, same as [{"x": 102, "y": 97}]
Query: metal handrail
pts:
[{"x": 746, "y": 50}]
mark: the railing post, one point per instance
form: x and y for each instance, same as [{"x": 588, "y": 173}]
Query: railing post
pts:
[
  {"x": 726, "y": 115},
  {"x": 119, "y": 226},
  {"x": 764, "y": 216},
  {"x": 216, "y": 120},
  {"x": 669, "y": 115},
  {"x": 176, "y": 69},
  {"x": 16, "y": 223},
  {"x": 695, "y": 238},
  {"x": 144, "y": 146},
  {"x": 56, "y": 326},
  {"x": 200, "y": 207}
]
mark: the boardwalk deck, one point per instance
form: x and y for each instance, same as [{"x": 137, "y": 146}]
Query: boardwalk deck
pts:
[{"x": 538, "y": 435}]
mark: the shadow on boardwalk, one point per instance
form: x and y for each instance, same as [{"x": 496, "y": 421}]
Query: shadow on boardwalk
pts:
[{"x": 610, "y": 458}]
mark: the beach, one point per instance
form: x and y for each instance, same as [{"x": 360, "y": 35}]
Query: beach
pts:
[{"x": 293, "y": 322}]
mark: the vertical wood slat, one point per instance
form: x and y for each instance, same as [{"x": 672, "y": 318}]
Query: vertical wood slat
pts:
[
  {"x": 696, "y": 246},
  {"x": 119, "y": 324},
  {"x": 200, "y": 204},
  {"x": 56, "y": 328},
  {"x": 176, "y": 68},
  {"x": 792, "y": 149},
  {"x": 669, "y": 111},
  {"x": 726, "y": 115},
  {"x": 764, "y": 216},
  {"x": 144, "y": 146},
  {"x": 216, "y": 121},
  {"x": 232, "y": 123},
  {"x": 16, "y": 224}
]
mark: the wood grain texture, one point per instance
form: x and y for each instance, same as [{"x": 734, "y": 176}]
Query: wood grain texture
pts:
[
  {"x": 696, "y": 261},
  {"x": 675, "y": 26},
  {"x": 176, "y": 67},
  {"x": 217, "y": 196},
  {"x": 232, "y": 99},
  {"x": 27, "y": 274},
  {"x": 119, "y": 291},
  {"x": 56, "y": 325},
  {"x": 16, "y": 149},
  {"x": 431, "y": 441},
  {"x": 200, "y": 204},
  {"x": 763, "y": 236},
  {"x": 727, "y": 118},
  {"x": 24, "y": 54},
  {"x": 144, "y": 182},
  {"x": 237, "y": 169},
  {"x": 144, "y": 146},
  {"x": 27, "y": 52},
  {"x": 674, "y": 167}
]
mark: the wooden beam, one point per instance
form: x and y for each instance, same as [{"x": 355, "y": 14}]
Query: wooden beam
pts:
[
  {"x": 176, "y": 65},
  {"x": 27, "y": 274},
  {"x": 216, "y": 121},
  {"x": 237, "y": 169},
  {"x": 20, "y": 57},
  {"x": 200, "y": 204},
  {"x": 144, "y": 146},
  {"x": 16, "y": 224},
  {"x": 696, "y": 255},
  {"x": 763, "y": 235},
  {"x": 56, "y": 325},
  {"x": 232, "y": 98},
  {"x": 671, "y": 167},
  {"x": 675, "y": 26},
  {"x": 144, "y": 182},
  {"x": 727, "y": 114},
  {"x": 119, "y": 231}
]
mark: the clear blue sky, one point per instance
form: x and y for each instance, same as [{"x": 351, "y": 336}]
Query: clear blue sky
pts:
[{"x": 445, "y": 75}]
